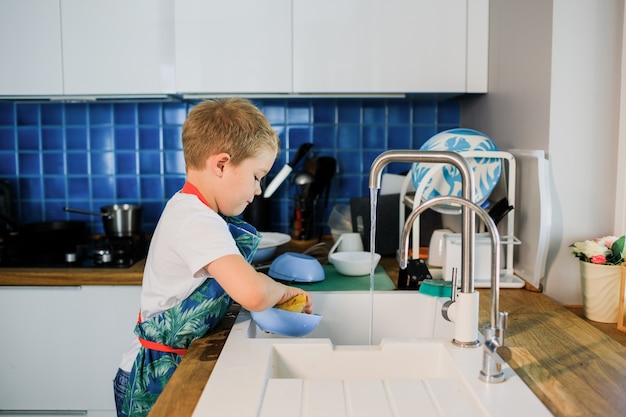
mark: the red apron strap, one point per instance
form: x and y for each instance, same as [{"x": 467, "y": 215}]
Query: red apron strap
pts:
[
  {"x": 160, "y": 347},
  {"x": 189, "y": 188}
]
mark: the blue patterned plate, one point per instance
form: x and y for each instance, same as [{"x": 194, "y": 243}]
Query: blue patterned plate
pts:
[{"x": 444, "y": 179}]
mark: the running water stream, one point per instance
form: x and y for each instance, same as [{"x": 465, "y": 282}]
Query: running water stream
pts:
[{"x": 373, "y": 205}]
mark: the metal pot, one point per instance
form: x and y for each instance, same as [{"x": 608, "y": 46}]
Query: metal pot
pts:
[{"x": 119, "y": 220}]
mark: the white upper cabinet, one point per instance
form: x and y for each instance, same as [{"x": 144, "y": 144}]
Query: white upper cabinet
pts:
[
  {"x": 388, "y": 46},
  {"x": 237, "y": 46},
  {"x": 156, "y": 47},
  {"x": 30, "y": 48},
  {"x": 118, "y": 47}
]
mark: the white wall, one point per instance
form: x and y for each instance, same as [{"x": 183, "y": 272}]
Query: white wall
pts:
[
  {"x": 620, "y": 191},
  {"x": 554, "y": 85}
]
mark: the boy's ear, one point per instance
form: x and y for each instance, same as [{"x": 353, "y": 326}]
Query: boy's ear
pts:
[{"x": 218, "y": 162}]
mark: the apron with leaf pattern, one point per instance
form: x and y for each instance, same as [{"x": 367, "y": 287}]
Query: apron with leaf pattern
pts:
[{"x": 166, "y": 336}]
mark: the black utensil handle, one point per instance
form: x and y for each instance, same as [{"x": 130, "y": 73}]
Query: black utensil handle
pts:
[{"x": 300, "y": 154}]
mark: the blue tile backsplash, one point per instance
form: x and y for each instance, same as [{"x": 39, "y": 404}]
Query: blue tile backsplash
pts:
[{"x": 89, "y": 155}]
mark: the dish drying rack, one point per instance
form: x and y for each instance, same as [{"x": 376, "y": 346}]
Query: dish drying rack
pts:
[{"x": 413, "y": 199}]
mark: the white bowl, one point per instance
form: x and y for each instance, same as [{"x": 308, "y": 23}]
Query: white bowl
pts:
[
  {"x": 270, "y": 241},
  {"x": 353, "y": 263}
]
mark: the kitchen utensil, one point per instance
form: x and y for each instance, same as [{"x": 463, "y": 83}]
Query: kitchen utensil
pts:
[
  {"x": 353, "y": 263},
  {"x": 296, "y": 267},
  {"x": 347, "y": 242},
  {"x": 303, "y": 179},
  {"x": 269, "y": 243},
  {"x": 340, "y": 220},
  {"x": 286, "y": 323},
  {"x": 500, "y": 210},
  {"x": 481, "y": 260},
  {"x": 411, "y": 277},
  {"x": 44, "y": 242},
  {"x": 303, "y": 214},
  {"x": 259, "y": 213},
  {"x": 325, "y": 169},
  {"x": 54, "y": 235},
  {"x": 303, "y": 150},
  {"x": 119, "y": 220},
  {"x": 437, "y": 248}
]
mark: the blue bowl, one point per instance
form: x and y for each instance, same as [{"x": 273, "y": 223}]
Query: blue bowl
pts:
[
  {"x": 286, "y": 323},
  {"x": 296, "y": 267}
]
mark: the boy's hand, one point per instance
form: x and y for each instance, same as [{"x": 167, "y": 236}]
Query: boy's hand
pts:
[
  {"x": 295, "y": 304},
  {"x": 293, "y": 298}
]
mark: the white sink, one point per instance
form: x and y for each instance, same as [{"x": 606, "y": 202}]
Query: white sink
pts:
[
  {"x": 410, "y": 368},
  {"x": 323, "y": 360},
  {"x": 346, "y": 317}
]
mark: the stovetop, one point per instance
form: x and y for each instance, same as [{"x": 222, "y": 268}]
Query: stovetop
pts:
[{"x": 100, "y": 253}]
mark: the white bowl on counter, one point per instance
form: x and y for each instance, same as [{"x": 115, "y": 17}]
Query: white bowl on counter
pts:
[{"x": 353, "y": 263}]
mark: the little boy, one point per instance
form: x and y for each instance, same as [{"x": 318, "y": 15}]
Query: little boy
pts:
[{"x": 198, "y": 261}]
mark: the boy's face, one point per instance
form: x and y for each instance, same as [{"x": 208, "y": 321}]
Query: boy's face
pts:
[{"x": 241, "y": 183}]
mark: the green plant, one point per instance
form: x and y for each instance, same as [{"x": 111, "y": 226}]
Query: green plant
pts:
[{"x": 607, "y": 250}]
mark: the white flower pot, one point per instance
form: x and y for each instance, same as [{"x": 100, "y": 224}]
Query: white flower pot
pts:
[{"x": 600, "y": 289}]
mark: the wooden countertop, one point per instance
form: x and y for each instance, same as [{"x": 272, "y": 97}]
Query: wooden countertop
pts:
[
  {"x": 72, "y": 276},
  {"x": 568, "y": 362}
]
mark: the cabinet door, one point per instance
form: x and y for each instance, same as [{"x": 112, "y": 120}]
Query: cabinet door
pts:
[
  {"x": 30, "y": 47},
  {"x": 62, "y": 346},
  {"x": 118, "y": 47},
  {"x": 233, "y": 46},
  {"x": 379, "y": 46}
]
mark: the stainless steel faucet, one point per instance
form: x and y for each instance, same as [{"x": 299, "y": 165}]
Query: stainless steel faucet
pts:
[
  {"x": 495, "y": 353},
  {"x": 467, "y": 191}
]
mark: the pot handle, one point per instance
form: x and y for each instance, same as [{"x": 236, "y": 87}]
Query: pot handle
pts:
[{"x": 93, "y": 213}]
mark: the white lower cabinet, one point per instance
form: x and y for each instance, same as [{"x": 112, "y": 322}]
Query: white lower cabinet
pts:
[{"x": 61, "y": 347}]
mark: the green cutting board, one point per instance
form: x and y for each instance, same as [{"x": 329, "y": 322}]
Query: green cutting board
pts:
[{"x": 334, "y": 281}]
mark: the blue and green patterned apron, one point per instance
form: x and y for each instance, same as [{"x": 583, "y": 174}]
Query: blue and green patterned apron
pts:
[{"x": 166, "y": 337}]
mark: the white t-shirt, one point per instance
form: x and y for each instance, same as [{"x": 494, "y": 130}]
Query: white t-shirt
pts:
[{"x": 188, "y": 236}]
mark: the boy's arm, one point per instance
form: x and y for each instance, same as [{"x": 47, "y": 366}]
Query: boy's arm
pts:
[{"x": 253, "y": 290}]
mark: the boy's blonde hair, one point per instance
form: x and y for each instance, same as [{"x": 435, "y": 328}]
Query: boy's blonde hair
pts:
[{"x": 232, "y": 125}]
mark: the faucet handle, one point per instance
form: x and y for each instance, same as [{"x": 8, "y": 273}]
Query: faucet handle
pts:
[
  {"x": 446, "y": 306},
  {"x": 454, "y": 284},
  {"x": 503, "y": 323}
]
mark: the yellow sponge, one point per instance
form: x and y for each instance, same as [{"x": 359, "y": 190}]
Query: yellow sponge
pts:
[{"x": 295, "y": 304}]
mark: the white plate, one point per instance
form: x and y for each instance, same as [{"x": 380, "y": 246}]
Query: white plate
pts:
[
  {"x": 445, "y": 179},
  {"x": 268, "y": 244},
  {"x": 270, "y": 239}
]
